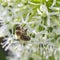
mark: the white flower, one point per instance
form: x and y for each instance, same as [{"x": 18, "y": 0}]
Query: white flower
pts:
[
  {"x": 44, "y": 9},
  {"x": 8, "y": 42},
  {"x": 39, "y": 12},
  {"x": 3, "y": 31},
  {"x": 54, "y": 2},
  {"x": 46, "y": 0}
]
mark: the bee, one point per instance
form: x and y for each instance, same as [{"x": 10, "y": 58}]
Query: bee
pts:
[{"x": 21, "y": 33}]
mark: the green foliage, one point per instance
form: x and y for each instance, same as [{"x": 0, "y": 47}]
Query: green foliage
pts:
[
  {"x": 30, "y": 58},
  {"x": 51, "y": 57},
  {"x": 2, "y": 55},
  {"x": 4, "y": 4}
]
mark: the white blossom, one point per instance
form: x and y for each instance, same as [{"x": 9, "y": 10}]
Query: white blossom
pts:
[{"x": 43, "y": 27}]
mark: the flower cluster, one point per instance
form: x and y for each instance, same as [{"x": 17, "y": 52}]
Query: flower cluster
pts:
[{"x": 42, "y": 21}]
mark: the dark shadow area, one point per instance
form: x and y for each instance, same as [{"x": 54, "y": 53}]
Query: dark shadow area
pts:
[{"x": 3, "y": 53}]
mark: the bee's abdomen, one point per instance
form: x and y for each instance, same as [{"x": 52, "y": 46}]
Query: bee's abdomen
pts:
[{"x": 25, "y": 38}]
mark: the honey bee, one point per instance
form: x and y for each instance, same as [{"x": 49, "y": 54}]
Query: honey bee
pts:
[{"x": 21, "y": 33}]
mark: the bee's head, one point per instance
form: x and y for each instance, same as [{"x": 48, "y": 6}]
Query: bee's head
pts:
[{"x": 17, "y": 28}]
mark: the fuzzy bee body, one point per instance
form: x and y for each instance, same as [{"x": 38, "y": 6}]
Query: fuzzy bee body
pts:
[
  {"x": 25, "y": 38},
  {"x": 21, "y": 34}
]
